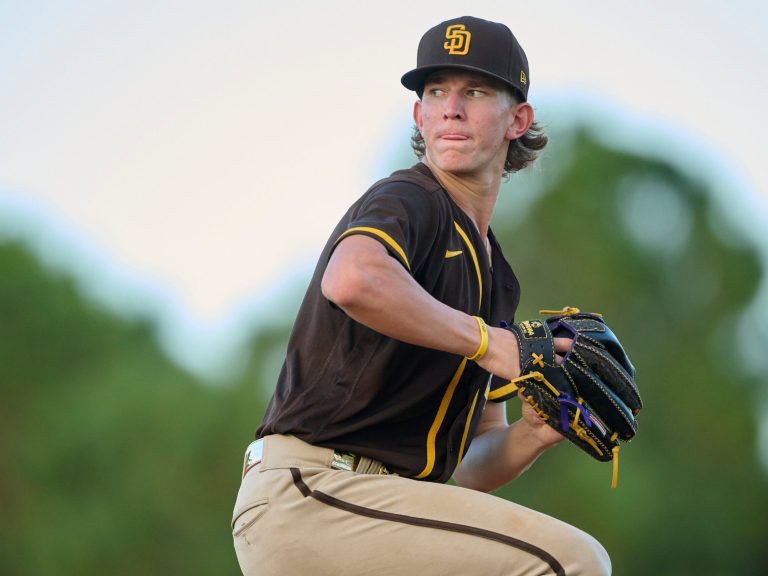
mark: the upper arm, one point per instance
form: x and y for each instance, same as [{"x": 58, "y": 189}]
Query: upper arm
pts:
[{"x": 355, "y": 260}]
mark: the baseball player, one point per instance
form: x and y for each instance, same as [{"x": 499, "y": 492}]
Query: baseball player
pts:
[{"x": 386, "y": 391}]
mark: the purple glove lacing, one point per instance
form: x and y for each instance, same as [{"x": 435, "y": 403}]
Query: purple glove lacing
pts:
[{"x": 565, "y": 399}]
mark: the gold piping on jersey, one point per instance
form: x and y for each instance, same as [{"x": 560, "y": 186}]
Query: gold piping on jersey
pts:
[
  {"x": 474, "y": 259},
  {"x": 383, "y": 235},
  {"x": 466, "y": 428},
  {"x": 444, "y": 403}
]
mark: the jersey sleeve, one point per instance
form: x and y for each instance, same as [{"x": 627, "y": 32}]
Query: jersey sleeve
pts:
[{"x": 402, "y": 216}]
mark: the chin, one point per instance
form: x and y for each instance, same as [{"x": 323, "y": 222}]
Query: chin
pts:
[{"x": 456, "y": 164}]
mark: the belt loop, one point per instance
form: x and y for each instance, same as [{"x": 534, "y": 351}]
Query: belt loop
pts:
[{"x": 253, "y": 455}]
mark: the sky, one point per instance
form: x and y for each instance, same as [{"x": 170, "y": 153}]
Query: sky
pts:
[{"x": 202, "y": 151}]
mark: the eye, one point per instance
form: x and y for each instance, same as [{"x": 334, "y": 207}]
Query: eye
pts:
[
  {"x": 475, "y": 93},
  {"x": 436, "y": 91}
]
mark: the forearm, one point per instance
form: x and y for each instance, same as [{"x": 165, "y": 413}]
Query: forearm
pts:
[
  {"x": 375, "y": 290},
  {"x": 498, "y": 456},
  {"x": 395, "y": 305}
]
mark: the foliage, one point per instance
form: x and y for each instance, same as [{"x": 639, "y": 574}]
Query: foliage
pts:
[
  {"x": 691, "y": 497},
  {"x": 114, "y": 460}
]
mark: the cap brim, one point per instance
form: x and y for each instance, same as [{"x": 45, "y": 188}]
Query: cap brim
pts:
[{"x": 414, "y": 79}]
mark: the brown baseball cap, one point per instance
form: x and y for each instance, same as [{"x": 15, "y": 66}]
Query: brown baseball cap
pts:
[{"x": 472, "y": 44}]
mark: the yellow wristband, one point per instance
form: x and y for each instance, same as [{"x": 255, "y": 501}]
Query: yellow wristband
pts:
[{"x": 483, "y": 340}]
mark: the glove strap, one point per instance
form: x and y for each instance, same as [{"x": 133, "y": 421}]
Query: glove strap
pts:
[
  {"x": 565, "y": 311},
  {"x": 483, "y": 348},
  {"x": 615, "y": 477}
]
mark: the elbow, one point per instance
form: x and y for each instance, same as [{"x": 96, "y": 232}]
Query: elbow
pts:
[
  {"x": 471, "y": 482},
  {"x": 357, "y": 274},
  {"x": 467, "y": 476},
  {"x": 335, "y": 290},
  {"x": 484, "y": 479},
  {"x": 346, "y": 288}
]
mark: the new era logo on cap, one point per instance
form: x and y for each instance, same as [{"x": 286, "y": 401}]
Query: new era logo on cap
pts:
[{"x": 472, "y": 44}]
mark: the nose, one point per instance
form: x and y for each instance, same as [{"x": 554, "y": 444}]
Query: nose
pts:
[{"x": 454, "y": 107}]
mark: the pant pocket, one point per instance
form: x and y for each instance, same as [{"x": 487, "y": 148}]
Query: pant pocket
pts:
[{"x": 245, "y": 519}]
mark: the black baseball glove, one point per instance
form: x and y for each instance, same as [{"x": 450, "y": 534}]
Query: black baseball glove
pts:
[{"x": 591, "y": 397}]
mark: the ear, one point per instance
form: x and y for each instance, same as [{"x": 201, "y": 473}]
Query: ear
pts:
[
  {"x": 417, "y": 114},
  {"x": 521, "y": 120}
]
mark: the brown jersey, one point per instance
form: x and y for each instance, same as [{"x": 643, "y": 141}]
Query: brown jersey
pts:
[{"x": 351, "y": 388}]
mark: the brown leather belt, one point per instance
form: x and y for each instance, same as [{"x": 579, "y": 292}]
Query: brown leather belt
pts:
[{"x": 339, "y": 460}]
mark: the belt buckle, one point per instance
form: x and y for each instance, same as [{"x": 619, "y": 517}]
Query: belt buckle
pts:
[
  {"x": 352, "y": 462},
  {"x": 253, "y": 455},
  {"x": 344, "y": 461}
]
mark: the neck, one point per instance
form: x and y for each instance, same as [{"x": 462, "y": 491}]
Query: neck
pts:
[{"x": 475, "y": 194}]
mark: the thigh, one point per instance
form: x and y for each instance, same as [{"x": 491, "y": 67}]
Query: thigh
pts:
[{"x": 319, "y": 521}]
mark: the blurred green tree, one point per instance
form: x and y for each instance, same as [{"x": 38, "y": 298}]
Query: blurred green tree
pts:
[
  {"x": 635, "y": 239},
  {"x": 114, "y": 460}
]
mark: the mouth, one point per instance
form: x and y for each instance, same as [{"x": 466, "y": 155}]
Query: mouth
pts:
[{"x": 454, "y": 137}]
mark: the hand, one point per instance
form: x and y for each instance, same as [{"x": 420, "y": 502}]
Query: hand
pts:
[
  {"x": 503, "y": 356},
  {"x": 562, "y": 347},
  {"x": 540, "y": 430}
]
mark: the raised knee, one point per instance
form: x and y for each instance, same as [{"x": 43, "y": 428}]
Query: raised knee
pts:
[{"x": 589, "y": 558}]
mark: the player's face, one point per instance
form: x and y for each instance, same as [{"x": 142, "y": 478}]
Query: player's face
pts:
[{"x": 467, "y": 121}]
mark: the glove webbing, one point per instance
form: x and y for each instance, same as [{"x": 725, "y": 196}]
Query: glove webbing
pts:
[{"x": 563, "y": 399}]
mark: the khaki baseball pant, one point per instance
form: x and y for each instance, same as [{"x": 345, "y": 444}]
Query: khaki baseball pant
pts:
[{"x": 295, "y": 516}]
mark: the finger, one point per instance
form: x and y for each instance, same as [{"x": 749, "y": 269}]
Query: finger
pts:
[{"x": 563, "y": 345}]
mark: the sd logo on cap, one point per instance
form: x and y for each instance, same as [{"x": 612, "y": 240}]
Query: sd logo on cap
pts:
[{"x": 458, "y": 40}]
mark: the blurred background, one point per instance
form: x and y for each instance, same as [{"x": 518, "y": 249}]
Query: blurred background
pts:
[{"x": 169, "y": 172}]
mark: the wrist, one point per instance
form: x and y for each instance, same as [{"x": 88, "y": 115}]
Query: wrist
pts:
[
  {"x": 483, "y": 346},
  {"x": 503, "y": 355}
]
